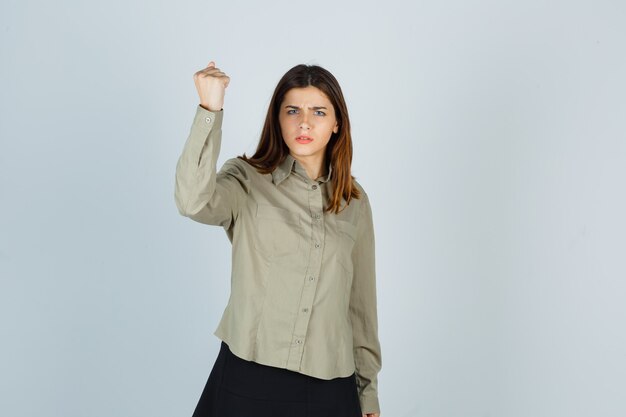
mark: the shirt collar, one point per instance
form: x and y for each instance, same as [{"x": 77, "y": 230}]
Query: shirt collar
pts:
[{"x": 291, "y": 164}]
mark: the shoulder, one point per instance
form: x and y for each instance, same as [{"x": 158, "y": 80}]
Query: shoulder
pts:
[
  {"x": 236, "y": 164},
  {"x": 364, "y": 196},
  {"x": 362, "y": 204},
  {"x": 238, "y": 168}
]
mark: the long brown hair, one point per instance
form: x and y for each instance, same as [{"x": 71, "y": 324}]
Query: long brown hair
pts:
[{"x": 272, "y": 149}]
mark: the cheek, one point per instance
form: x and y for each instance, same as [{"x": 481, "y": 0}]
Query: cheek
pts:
[
  {"x": 329, "y": 128},
  {"x": 284, "y": 127},
  {"x": 286, "y": 124}
]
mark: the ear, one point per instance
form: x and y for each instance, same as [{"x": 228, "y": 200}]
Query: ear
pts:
[{"x": 336, "y": 128}]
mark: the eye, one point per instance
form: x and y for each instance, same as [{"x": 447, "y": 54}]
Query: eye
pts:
[
  {"x": 290, "y": 111},
  {"x": 321, "y": 113}
]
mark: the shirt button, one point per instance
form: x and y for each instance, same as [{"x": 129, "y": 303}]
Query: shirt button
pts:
[
  {"x": 317, "y": 245},
  {"x": 305, "y": 309},
  {"x": 208, "y": 120},
  {"x": 314, "y": 187},
  {"x": 299, "y": 341},
  {"x": 311, "y": 278}
]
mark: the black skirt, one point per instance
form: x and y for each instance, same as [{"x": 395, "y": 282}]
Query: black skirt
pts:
[{"x": 241, "y": 388}]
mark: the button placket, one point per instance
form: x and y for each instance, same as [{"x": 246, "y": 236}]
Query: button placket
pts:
[{"x": 309, "y": 283}]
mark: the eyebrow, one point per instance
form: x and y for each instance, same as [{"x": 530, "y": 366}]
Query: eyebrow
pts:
[{"x": 314, "y": 107}]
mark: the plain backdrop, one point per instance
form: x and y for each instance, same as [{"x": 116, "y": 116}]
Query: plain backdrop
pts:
[{"x": 490, "y": 136}]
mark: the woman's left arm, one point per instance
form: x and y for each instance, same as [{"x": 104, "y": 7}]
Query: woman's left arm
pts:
[{"x": 363, "y": 312}]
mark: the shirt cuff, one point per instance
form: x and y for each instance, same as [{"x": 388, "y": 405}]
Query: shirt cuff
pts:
[
  {"x": 208, "y": 120},
  {"x": 369, "y": 404}
]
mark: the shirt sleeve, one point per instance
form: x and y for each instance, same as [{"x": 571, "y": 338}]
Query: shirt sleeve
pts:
[
  {"x": 201, "y": 193},
  {"x": 363, "y": 312}
]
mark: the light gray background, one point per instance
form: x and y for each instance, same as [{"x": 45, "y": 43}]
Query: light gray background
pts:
[{"x": 489, "y": 135}]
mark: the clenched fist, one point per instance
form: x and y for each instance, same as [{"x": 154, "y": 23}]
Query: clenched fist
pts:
[{"x": 211, "y": 84}]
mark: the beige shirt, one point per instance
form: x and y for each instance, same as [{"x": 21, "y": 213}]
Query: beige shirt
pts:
[{"x": 303, "y": 282}]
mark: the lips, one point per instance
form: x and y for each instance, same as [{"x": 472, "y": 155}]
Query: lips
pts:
[{"x": 304, "y": 139}]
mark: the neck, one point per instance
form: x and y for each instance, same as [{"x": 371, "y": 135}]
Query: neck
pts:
[{"x": 313, "y": 168}]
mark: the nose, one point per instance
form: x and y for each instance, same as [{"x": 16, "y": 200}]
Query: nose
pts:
[{"x": 304, "y": 123}]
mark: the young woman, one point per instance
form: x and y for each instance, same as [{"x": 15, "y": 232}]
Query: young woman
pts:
[{"x": 299, "y": 335}]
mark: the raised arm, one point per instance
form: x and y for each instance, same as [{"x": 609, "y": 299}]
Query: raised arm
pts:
[{"x": 202, "y": 193}]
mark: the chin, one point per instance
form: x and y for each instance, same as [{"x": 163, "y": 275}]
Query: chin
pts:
[{"x": 305, "y": 153}]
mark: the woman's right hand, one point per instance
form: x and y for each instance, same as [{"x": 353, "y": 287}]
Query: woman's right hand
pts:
[{"x": 211, "y": 84}]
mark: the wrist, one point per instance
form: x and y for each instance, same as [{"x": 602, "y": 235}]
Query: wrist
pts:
[{"x": 206, "y": 107}]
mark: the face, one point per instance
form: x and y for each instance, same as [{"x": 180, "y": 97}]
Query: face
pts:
[{"x": 307, "y": 113}]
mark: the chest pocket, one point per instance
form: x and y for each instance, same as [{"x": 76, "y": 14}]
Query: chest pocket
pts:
[
  {"x": 347, "y": 238},
  {"x": 278, "y": 231}
]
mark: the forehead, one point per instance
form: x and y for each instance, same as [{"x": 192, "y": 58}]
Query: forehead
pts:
[{"x": 309, "y": 95}]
